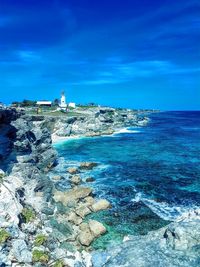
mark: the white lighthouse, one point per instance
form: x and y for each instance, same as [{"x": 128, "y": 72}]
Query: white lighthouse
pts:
[{"x": 63, "y": 104}]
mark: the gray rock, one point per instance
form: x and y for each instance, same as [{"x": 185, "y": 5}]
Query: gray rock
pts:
[{"x": 21, "y": 251}]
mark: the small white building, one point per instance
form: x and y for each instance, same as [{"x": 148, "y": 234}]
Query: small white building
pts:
[
  {"x": 44, "y": 103},
  {"x": 72, "y": 105}
]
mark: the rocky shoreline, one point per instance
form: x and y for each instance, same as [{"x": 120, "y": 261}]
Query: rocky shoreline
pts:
[
  {"x": 40, "y": 225},
  {"x": 43, "y": 226}
]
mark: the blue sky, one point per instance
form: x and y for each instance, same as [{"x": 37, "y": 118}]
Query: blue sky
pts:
[{"x": 130, "y": 53}]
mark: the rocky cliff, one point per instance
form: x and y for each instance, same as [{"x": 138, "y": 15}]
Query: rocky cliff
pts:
[{"x": 93, "y": 122}]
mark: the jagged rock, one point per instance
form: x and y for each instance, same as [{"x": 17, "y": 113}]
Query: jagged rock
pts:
[
  {"x": 21, "y": 252},
  {"x": 102, "y": 204},
  {"x": 96, "y": 228},
  {"x": 72, "y": 195}
]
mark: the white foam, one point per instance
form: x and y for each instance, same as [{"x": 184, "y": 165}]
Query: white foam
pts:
[
  {"x": 126, "y": 130},
  {"x": 163, "y": 209}
]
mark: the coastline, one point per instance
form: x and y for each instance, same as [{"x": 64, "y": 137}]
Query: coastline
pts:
[
  {"x": 60, "y": 139},
  {"x": 42, "y": 209}
]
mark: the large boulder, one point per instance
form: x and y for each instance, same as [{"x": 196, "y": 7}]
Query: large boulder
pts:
[
  {"x": 72, "y": 195},
  {"x": 96, "y": 228},
  {"x": 102, "y": 204},
  {"x": 89, "y": 231},
  {"x": 85, "y": 236}
]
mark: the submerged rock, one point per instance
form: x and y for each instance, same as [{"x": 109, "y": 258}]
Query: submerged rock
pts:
[{"x": 90, "y": 180}]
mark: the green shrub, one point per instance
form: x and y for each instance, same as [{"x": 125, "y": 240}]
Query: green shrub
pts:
[
  {"x": 40, "y": 240},
  {"x": 4, "y": 235},
  {"x": 28, "y": 214},
  {"x": 40, "y": 256}
]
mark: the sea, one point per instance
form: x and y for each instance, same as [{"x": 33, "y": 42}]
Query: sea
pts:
[{"x": 151, "y": 174}]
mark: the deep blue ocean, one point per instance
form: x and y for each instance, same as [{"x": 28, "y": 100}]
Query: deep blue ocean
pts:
[{"x": 151, "y": 175}]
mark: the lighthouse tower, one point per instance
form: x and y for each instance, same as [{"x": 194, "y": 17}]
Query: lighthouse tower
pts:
[{"x": 63, "y": 104}]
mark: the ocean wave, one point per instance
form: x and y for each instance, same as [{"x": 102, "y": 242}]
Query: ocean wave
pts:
[
  {"x": 126, "y": 130},
  {"x": 164, "y": 210}
]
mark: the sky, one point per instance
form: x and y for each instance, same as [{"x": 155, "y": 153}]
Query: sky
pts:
[{"x": 123, "y": 53}]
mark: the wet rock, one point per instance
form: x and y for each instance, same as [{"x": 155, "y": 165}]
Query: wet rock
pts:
[
  {"x": 96, "y": 228},
  {"x": 21, "y": 252},
  {"x": 75, "y": 179},
  {"x": 88, "y": 165},
  {"x": 90, "y": 180},
  {"x": 102, "y": 204},
  {"x": 72, "y": 170}
]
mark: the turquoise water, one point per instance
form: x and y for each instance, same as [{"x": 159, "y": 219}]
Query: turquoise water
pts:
[{"x": 151, "y": 175}]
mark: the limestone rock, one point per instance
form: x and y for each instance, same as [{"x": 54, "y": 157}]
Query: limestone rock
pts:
[
  {"x": 74, "y": 218},
  {"x": 102, "y": 204},
  {"x": 96, "y": 228},
  {"x": 83, "y": 211},
  {"x": 21, "y": 252},
  {"x": 72, "y": 170},
  {"x": 75, "y": 179},
  {"x": 71, "y": 195},
  {"x": 85, "y": 236}
]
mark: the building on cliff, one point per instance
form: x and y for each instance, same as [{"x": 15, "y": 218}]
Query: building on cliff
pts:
[{"x": 63, "y": 104}]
